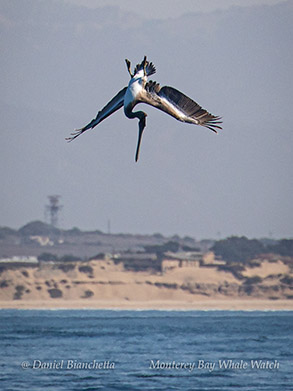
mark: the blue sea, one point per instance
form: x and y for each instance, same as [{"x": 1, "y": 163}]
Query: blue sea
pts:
[{"x": 146, "y": 350}]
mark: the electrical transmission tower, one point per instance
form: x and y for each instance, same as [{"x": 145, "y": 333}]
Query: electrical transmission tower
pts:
[{"x": 53, "y": 209}]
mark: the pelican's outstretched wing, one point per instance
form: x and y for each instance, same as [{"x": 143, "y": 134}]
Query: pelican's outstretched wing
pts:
[
  {"x": 115, "y": 104},
  {"x": 180, "y": 106}
]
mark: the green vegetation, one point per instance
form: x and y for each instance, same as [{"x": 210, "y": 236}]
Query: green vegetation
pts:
[
  {"x": 243, "y": 250},
  {"x": 160, "y": 249},
  {"x": 98, "y": 256},
  {"x": 253, "y": 280},
  {"x": 235, "y": 268},
  {"x": 5, "y": 231},
  {"x": 283, "y": 247},
  {"x": 88, "y": 293},
  {"x": 66, "y": 267},
  {"x": 233, "y": 250},
  {"x": 238, "y": 249},
  {"x": 288, "y": 280},
  {"x": 55, "y": 293},
  {"x": 69, "y": 258},
  {"x": 38, "y": 228},
  {"x": 171, "y": 246},
  {"x": 86, "y": 269},
  {"x": 47, "y": 257},
  {"x": 19, "y": 289},
  {"x": 4, "y": 284}
]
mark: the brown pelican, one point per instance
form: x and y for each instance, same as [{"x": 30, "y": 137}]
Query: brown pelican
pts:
[{"x": 167, "y": 99}]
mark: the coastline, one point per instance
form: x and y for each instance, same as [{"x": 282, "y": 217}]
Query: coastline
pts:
[
  {"x": 200, "y": 305},
  {"x": 105, "y": 285}
]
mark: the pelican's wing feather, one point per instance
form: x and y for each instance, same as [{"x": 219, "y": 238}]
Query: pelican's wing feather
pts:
[
  {"x": 115, "y": 104},
  {"x": 180, "y": 106},
  {"x": 190, "y": 108}
]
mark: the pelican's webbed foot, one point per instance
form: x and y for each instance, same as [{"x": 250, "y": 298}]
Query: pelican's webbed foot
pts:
[{"x": 128, "y": 64}]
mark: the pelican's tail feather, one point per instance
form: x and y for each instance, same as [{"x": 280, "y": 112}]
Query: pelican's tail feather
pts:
[{"x": 149, "y": 67}]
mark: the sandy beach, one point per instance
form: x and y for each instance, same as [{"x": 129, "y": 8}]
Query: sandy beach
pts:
[
  {"x": 200, "y": 305},
  {"x": 106, "y": 285}
]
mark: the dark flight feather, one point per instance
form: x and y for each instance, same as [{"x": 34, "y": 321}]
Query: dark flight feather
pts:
[{"x": 190, "y": 108}]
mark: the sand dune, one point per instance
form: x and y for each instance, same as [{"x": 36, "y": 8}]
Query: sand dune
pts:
[{"x": 103, "y": 284}]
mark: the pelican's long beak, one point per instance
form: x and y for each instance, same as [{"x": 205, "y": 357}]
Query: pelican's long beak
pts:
[{"x": 141, "y": 126}]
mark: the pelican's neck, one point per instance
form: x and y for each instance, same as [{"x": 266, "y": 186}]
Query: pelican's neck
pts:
[{"x": 134, "y": 114}]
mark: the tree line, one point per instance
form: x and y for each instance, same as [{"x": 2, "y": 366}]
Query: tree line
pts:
[{"x": 241, "y": 249}]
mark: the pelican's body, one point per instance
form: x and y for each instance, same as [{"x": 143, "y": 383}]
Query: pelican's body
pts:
[
  {"x": 167, "y": 99},
  {"x": 134, "y": 89}
]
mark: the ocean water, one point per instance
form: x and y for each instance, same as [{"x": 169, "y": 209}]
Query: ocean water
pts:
[{"x": 145, "y": 350}]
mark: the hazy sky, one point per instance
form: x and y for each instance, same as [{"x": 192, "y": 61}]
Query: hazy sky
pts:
[
  {"x": 61, "y": 61},
  {"x": 163, "y": 9}
]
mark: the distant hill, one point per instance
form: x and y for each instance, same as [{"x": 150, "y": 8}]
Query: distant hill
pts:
[
  {"x": 36, "y": 238},
  {"x": 38, "y": 228}
]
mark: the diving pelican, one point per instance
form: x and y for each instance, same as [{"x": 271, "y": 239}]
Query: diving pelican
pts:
[{"x": 167, "y": 99}]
